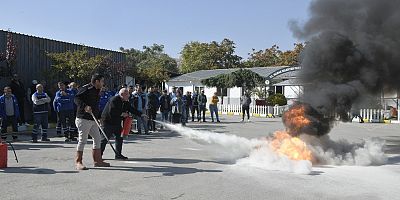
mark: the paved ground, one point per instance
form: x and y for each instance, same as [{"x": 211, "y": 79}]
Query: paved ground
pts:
[{"x": 169, "y": 166}]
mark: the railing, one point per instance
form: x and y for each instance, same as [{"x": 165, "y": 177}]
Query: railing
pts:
[
  {"x": 374, "y": 115},
  {"x": 262, "y": 111}
]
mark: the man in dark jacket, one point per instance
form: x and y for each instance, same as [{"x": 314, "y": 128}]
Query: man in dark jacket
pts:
[
  {"x": 114, "y": 112},
  {"x": 202, "y": 100},
  {"x": 165, "y": 106},
  {"x": 152, "y": 108},
  {"x": 87, "y": 101},
  {"x": 18, "y": 89},
  {"x": 246, "y": 101},
  {"x": 195, "y": 106},
  {"x": 188, "y": 105}
]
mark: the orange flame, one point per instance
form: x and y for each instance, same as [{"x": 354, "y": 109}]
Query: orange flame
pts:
[
  {"x": 293, "y": 147},
  {"x": 295, "y": 118}
]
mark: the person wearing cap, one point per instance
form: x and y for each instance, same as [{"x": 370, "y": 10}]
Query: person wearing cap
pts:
[{"x": 40, "y": 113}]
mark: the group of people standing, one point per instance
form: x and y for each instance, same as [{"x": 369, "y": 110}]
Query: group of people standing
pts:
[
  {"x": 177, "y": 108},
  {"x": 79, "y": 112}
]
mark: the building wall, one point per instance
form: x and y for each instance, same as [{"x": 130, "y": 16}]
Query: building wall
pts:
[
  {"x": 32, "y": 61},
  {"x": 292, "y": 92}
]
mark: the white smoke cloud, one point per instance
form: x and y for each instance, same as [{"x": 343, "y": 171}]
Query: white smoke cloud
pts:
[{"x": 257, "y": 152}]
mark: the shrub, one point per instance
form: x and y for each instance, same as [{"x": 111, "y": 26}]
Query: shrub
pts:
[{"x": 279, "y": 99}]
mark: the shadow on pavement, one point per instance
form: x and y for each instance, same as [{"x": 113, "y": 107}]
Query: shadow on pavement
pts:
[
  {"x": 33, "y": 170},
  {"x": 170, "y": 160},
  {"x": 164, "y": 170},
  {"x": 37, "y": 146},
  {"x": 393, "y": 160},
  {"x": 392, "y": 145},
  {"x": 316, "y": 173}
]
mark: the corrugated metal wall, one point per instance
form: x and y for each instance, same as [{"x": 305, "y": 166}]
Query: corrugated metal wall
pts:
[{"x": 32, "y": 62}]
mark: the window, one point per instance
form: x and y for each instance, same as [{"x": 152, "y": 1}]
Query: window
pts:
[
  {"x": 222, "y": 92},
  {"x": 278, "y": 89},
  {"x": 198, "y": 89}
]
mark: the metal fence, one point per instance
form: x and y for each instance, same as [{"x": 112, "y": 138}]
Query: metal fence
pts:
[{"x": 261, "y": 111}]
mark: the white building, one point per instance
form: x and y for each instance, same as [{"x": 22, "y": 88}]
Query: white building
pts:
[{"x": 282, "y": 79}]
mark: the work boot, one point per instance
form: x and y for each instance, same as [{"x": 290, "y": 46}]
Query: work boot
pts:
[
  {"x": 121, "y": 157},
  {"x": 98, "y": 160},
  {"x": 78, "y": 161}
]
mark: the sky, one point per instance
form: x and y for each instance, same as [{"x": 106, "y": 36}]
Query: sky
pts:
[{"x": 111, "y": 24}]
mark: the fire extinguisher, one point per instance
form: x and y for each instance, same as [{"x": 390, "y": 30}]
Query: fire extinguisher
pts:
[{"x": 4, "y": 152}]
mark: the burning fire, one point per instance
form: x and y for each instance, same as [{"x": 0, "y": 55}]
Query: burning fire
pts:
[
  {"x": 293, "y": 147},
  {"x": 295, "y": 119},
  {"x": 287, "y": 142}
]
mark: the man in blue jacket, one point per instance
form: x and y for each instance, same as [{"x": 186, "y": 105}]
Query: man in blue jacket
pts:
[
  {"x": 104, "y": 97},
  {"x": 9, "y": 112},
  {"x": 73, "y": 90},
  {"x": 139, "y": 104},
  {"x": 64, "y": 105}
]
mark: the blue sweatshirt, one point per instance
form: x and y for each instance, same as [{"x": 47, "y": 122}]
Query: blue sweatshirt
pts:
[{"x": 63, "y": 103}]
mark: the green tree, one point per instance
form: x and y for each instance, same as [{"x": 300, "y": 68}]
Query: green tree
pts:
[
  {"x": 151, "y": 65},
  {"x": 275, "y": 57},
  {"x": 203, "y": 56},
  {"x": 76, "y": 65},
  {"x": 240, "y": 78}
]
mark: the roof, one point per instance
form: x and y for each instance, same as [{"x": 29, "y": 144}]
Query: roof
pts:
[
  {"x": 289, "y": 82},
  {"x": 204, "y": 74}
]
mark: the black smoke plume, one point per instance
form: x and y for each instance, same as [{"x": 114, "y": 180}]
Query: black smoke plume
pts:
[{"x": 353, "y": 51}]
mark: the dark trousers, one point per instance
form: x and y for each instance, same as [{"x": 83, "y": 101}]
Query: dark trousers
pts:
[
  {"x": 58, "y": 126},
  {"x": 67, "y": 122},
  {"x": 202, "y": 111},
  {"x": 21, "y": 106},
  {"x": 195, "y": 109},
  {"x": 188, "y": 112},
  {"x": 6, "y": 122},
  {"x": 40, "y": 119},
  {"x": 245, "y": 109},
  {"x": 113, "y": 130},
  {"x": 152, "y": 114}
]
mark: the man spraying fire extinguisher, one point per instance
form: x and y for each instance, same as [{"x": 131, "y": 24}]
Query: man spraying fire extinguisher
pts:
[{"x": 116, "y": 109}]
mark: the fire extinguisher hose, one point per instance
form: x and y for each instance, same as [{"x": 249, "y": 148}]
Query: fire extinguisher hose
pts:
[{"x": 15, "y": 154}]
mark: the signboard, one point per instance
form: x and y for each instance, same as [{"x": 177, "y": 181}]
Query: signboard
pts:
[{"x": 281, "y": 71}]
